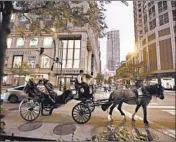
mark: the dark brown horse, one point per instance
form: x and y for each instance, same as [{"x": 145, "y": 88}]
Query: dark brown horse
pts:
[{"x": 142, "y": 98}]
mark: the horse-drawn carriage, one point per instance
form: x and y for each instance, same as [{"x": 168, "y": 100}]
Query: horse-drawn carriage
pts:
[{"x": 39, "y": 102}]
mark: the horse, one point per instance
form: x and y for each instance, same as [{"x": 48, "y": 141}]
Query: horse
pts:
[{"x": 139, "y": 97}]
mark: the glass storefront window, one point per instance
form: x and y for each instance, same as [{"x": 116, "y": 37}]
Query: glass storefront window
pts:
[
  {"x": 64, "y": 44},
  {"x": 70, "y": 54},
  {"x": 48, "y": 41},
  {"x": 33, "y": 43},
  {"x": 31, "y": 61},
  {"x": 69, "y": 63},
  {"x": 70, "y": 43},
  {"x": 64, "y": 54},
  {"x": 9, "y": 42},
  {"x": 77, "y": 54},
  {"x": 45, "y": 62},
  {"x": 77, "y": 43},
  {"x": 76, "y": 64},
  {"x": 17, "y": 61},
  {"x": 20, "y": 43}
]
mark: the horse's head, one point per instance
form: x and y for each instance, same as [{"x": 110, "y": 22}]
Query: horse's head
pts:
[{"x": 160, "y": 91}]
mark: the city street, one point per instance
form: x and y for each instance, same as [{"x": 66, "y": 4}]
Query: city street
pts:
[{"x": 161, "y": 115}]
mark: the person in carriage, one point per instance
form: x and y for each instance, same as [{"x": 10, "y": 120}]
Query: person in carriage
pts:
[{"x": 79, "y": 83}]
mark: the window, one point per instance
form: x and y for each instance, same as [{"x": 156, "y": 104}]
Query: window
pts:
[
  {"x": 9, "y": 41},
  {"x": 33, "y": 43},
  {"x": 174, "y": 15},
  {"x": 48, "y": 41},
  {"x": 152, "y": 12},
  {"x": 6, "y": 61},
  {"x": 45, "y": 62},
  {"x": 17, "y": 61},
  {"x": 31, "y": 61},
  {"x": 162, "y": 6},
  {"x": 164, "y": 32},
  {"x": 150, "y": 3},
  {"x": 163, "y": 19},
  {"x": 173, "y": 3},
  {"x": 152, "y": 24},
  {"x": 20, "y": 43},
  {"x": 70, "y": 52}
]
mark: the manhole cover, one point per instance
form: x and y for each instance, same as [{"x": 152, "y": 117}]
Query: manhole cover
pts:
[
  {"x": 13, "y": 109},
  {"x": 64, "y": 129},
  {"x": 30, "y": 126}
]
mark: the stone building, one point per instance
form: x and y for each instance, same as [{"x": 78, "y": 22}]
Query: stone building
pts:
[{"x": 78, "y": 49}]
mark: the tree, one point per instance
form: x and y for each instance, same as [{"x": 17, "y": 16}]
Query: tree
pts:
[
  {"x": 60, "y": 11},
  {"x": 100, "y": 78},
  {"x": 21, "y": 70}
]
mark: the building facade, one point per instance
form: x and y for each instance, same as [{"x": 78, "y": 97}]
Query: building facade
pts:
[
  {"x": 78, "y": 49},
  {"x": 113, "y": 50},
  {"x": 155, "y": 37}
]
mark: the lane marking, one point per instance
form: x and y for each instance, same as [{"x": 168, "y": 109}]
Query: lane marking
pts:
[
  {"x": 166, "y": 131},
  {"x": 172, "y": 112},
  {"x": 162, "y": 107}
]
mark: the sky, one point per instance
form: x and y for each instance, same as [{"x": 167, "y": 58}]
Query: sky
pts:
[{"x": 119, "y": 17}]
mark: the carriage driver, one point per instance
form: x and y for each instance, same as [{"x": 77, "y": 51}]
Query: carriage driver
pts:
[{"x": 79, "y": 82}]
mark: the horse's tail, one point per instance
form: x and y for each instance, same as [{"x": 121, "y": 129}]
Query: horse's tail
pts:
[{"x": 105, "y": 106}]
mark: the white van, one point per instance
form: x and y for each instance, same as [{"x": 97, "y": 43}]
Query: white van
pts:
[{"x": 168, "y": 82}]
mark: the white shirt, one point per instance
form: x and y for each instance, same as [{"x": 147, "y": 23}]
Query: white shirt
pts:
[{"x": 79, "y": 78}]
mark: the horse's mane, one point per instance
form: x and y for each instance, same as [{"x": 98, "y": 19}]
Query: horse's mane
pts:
[{"x": 151, "y": 89}]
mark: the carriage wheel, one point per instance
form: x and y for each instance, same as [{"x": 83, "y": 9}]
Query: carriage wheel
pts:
[
  {"x": 81, "y": 113},
  {"x": 90, "y": 104},
  {"x": 29, "y": 109}
]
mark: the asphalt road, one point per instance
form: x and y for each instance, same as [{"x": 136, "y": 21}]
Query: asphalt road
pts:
[{"x": 161, "y": 114}]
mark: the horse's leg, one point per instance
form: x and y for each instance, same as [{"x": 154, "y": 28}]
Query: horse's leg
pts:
[
  {"x": 110, "y": 112},
  {"x": 145, "y": 114},
  {"x": 120, "y": 109},
  {"x": 136, "y": 110}
]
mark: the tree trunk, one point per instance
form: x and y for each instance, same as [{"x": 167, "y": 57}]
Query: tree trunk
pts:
[{"x": 4, "y": 32}]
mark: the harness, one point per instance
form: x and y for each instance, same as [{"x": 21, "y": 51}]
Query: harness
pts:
[{"x": 141, "y": 92}]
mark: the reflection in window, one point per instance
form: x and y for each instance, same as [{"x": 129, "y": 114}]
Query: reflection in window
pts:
[
  {"x": 31, "y": 62},
  {"x": 45, "y": 62},
  {"x": 33, "y": 43},
  {"x": 48, "y": 41},
  {"x": 17, "y": 61},
  {"x": 9, "y": 41},
  {"x": 20, "y": 43}
]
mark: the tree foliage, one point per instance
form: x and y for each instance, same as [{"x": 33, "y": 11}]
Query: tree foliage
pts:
[{"x": 100, "y": 78}]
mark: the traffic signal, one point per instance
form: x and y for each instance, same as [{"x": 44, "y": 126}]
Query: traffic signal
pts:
[
  {"x": 41, "y": 50},
  {"x": 57, "y": 60}
]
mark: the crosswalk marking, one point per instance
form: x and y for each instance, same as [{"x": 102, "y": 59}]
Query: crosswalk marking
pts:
[
  {"x": 162, "y": 107},
  {"x": 172, "y": 112}
]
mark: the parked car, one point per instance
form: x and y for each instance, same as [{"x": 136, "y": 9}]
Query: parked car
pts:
[{"x": 14, "y": 95}]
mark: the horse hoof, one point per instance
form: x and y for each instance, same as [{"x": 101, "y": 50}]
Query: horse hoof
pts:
[{"x": 146, "y": 123}]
